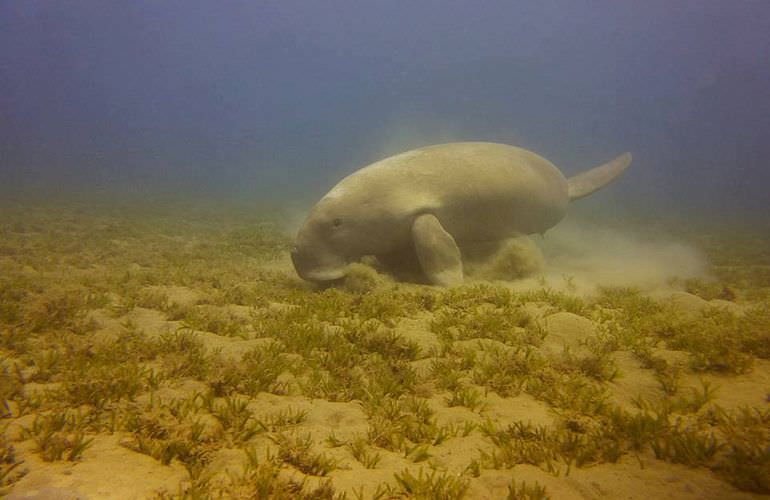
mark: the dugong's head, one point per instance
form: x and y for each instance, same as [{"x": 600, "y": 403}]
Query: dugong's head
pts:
[{"x": 344, "y": 226}]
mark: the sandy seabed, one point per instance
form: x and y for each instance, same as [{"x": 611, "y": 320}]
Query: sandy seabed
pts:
[{"x": 171, "y": 352}]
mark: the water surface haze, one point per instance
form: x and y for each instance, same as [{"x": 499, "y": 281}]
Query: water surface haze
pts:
[{"x": 282, "y": 99}]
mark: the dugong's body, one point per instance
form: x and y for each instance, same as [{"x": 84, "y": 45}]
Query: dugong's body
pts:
[{"x": 437, "y": 203}]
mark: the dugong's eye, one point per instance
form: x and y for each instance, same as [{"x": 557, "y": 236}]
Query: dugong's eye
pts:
[{"x": 337, "y": 222}]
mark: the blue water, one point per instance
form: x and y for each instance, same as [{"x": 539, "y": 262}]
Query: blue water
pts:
[{"x": 281, "y": 98}]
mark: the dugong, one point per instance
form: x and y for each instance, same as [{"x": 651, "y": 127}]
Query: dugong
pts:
[{"x": 427, "y": 208}]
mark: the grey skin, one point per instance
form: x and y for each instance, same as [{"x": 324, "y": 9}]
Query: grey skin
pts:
[{"x": 426, "y": 208}]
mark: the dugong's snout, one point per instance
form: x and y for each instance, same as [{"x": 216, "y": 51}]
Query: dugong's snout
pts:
[{"x": 312, "y": 268}]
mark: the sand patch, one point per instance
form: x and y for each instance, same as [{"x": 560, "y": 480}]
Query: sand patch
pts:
[
  {"x": 567, "y": 331},
  {"x": 178, "y": 295},
  {"x": 632, "y": 382},
  {"x": 521, "y": 408},
  {"x": 626, "y": 480},
  {"x": 102, "y": 473}
]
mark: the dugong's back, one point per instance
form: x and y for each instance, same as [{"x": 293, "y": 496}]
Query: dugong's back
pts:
[{"x": 478, "y": 190}]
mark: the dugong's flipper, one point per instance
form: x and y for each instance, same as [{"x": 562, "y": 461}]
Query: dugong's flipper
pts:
[
  {"x": 437, "y": 251},
  {"x": 586, "y": 183}
]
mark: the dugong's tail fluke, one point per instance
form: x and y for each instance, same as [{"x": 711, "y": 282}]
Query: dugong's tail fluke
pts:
[{"x": 586, "y": 183}]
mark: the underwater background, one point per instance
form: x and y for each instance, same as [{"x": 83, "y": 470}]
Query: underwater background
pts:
[
  {"x": 157, "y": 158},
  {"x": 283, "y": 98}
]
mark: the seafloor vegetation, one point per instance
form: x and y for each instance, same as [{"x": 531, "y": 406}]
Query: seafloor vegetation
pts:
[{"x": 178, "y": 342}]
